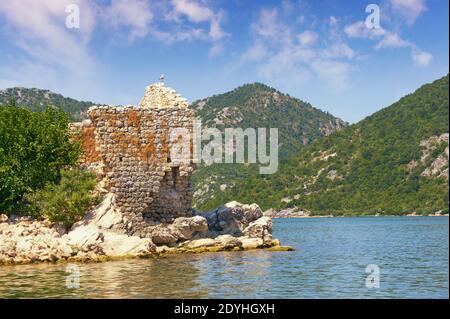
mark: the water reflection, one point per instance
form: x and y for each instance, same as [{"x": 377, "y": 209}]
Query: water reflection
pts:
[{"x": 329, "y": 262}]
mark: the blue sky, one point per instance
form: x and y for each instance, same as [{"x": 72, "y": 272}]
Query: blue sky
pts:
[{"x": 319, "y": 51}]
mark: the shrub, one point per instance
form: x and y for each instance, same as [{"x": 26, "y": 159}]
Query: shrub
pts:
[
  {"x": 65, "y": 202},
  {"x": 34, "y": 147}
]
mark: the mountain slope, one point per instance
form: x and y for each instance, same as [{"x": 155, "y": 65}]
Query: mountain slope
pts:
[
  {"x": 253, "y": 106},
  {"x": 35, "y": 98},
  {"x": 393, "y": 162}
]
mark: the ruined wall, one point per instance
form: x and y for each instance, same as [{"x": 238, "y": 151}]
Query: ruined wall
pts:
[{"x": 133, "y": 144}]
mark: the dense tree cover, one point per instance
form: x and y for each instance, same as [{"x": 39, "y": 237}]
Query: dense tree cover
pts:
[
  {"x": 34, "y": 147},
  {"x": 36, "y": 99},
  {"x": 369, "y": 161},
  {"x": 256, "y": 106}
]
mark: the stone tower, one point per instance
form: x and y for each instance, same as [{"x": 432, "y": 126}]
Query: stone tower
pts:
[{"x": 132, "y": 144}]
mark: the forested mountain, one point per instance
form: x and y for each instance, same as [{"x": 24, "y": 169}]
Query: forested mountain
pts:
[
  {"x": 393, "y": 162},
  {"x": 255, "y": 106},
  {"x": 36, "y": 98}
]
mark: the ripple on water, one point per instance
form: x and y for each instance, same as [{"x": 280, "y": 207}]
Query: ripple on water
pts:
[{"x": 329, "y": 262}]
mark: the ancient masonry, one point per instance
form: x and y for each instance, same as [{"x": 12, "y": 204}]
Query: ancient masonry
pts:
[{"x": 132, "y": 146}]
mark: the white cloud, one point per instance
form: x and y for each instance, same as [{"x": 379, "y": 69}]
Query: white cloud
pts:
[
  {"x": 270, "y": 27},
  {"x": 307, "y": 38},
  {"x": 388, "y": 40},
  {"x": 38, "y": 28},
  {"x": 359, "y": 30},
  {"x": 192, "y": 10},
  {"x": 294, "y": 52},
  {"x": 197, "y": 12},
  {"x": 409, "y": 9},
  {"x": 421, "y": 58},
  {"x": 391, "y": 40},
  {"x": 339, "y": 50},
  {"x": 135, "y": 16}
]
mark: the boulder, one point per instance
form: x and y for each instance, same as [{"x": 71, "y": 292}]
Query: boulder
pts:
[
  {"x": 85, "y": 236},
  {"x": 187, "y": 228},
  {"x": 260, "y": 228},
  {"x": 251, "y": 243},
  {"x": 161, "y": 235},
  {"x": 232, "y": 218},
  {"x": 122, "y": 245},
  {"x": 227, "y": 242},
  {"x": 97, "y": 242},
  {"x": 104, "y": 216}
]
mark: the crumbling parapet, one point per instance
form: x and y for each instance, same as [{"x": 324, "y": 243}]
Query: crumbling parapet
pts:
[{"x": 133, "y": 145}]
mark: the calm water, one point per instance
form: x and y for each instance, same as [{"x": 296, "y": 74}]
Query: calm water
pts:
[{"x": 330, "y": 261}]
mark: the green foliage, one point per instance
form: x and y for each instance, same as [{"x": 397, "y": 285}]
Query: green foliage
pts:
[
  {"x": 67, "y": 201},
  {"x": 255, "y": 106},
  {"x": 371, "y": 163},
  {"x": 34, "y": 146},
  {"x": 36, "y": 99}
]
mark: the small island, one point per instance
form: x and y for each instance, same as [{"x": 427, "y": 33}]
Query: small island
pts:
[{"x": 144, "y": 196}]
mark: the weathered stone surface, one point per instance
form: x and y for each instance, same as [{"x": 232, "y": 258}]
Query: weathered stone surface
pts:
[
  {"x": 198, "y": 243},
  {"x": 232, "y": 218},
  {"x": 260, "y": 228},
  {"x": 163, "y": 236},
  {"x": 129, "y": 148},
  {"x": 105, "y": 216},
  {"x": 103, "y": 231},
  {"x": 187, "y": 228},
  {"x": 160, "y": 96},
  {"x": 227, "y": 242},
  {"x": 251, "y": 243},
  {"x": 31, "y": 241},
  {"x": 146, "y": 192}
]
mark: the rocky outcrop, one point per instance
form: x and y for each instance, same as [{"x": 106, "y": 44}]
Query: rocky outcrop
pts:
[
  {"x": 232, "y": 218},
  {"x": 437, "y": 165},
  {"x": 146, "y": 188},
  {"x": 103, "y": 234},
  {"x": 26, "y": 241}
]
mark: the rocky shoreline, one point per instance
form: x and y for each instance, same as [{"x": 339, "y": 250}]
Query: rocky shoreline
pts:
[
  {"x": 301, "y": 214},
  {"x": 101, "y": 236}
]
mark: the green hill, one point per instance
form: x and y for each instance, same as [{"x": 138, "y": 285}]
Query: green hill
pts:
[
  {"x": 393, "y": 162},
  {"x": 36, "y": 98},
  {"x": 253, "y": 106}
]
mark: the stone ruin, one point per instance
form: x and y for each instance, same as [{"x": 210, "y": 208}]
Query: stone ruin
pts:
[
  {"x": 146, "y": 205},
  {"x": 130, "y": 146}
]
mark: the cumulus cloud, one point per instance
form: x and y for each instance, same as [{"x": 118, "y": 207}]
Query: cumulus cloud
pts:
[
  {"x": 360, "y": 30},
  {"x": 421, "y": 58},
  {"x": 135, "y": 16},
  {"x": 54, "y": 56},
  {"x": 387, "y": 39},
  {"x": 38, "y": 28},
  {"x": 391, "y": 40},
  {"x": 307, "y": 38},
  {"x": 291, "y": 51},
  {"x": 409, "y": 9}
]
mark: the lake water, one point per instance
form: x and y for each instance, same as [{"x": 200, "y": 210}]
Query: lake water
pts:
[{"x": 329, "y": 262}]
